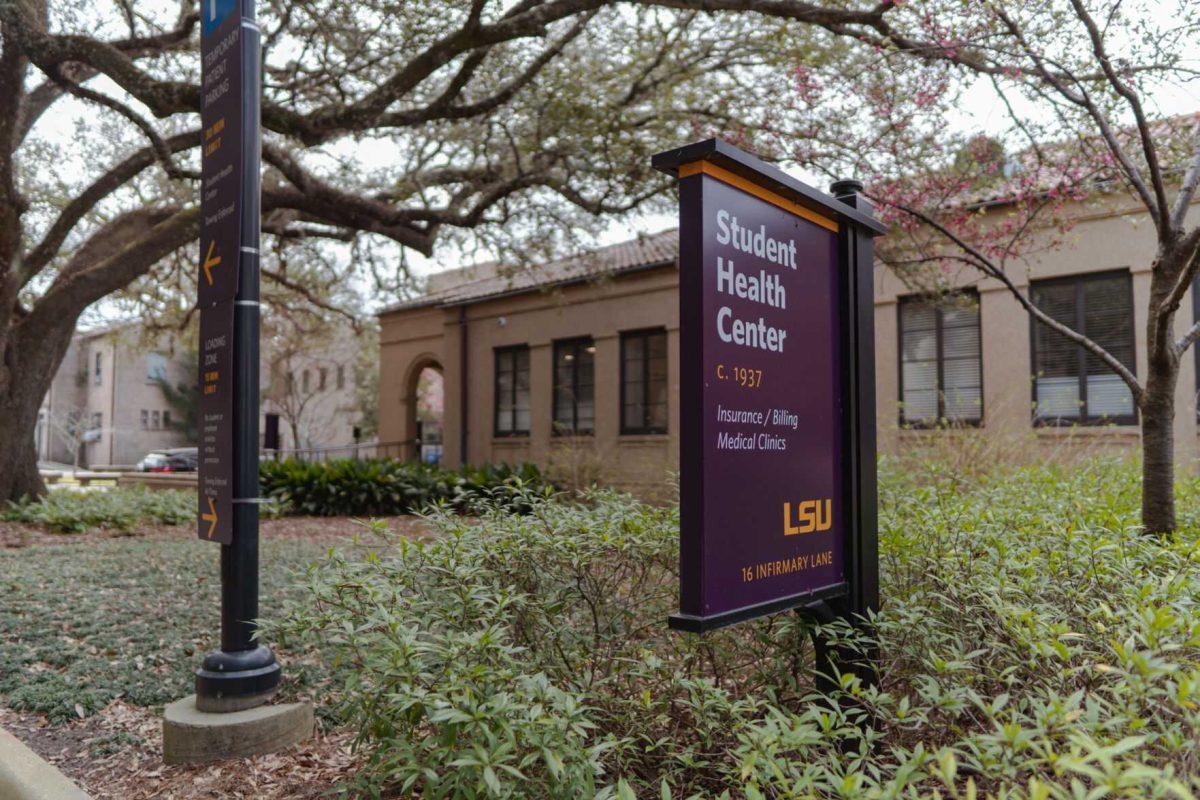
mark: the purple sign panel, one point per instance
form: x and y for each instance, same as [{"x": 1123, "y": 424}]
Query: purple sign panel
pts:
[
  {"x": 215, "y": 517},
  {"x": 222, "y": 50},
  {"x": 763, "y": 513},
  {"x": 221, "y": 151}
]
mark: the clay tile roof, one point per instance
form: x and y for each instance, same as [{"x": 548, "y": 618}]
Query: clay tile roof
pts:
[{"x": 650, "y": 250}]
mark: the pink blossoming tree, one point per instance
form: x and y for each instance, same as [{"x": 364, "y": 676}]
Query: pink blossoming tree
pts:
[{"x": 1076, "y": 84}]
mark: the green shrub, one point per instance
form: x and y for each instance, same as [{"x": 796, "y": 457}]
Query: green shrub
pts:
[
  {"x": 1033, "y": 645},
  {"x": 387, "y": 487},
  {"x": 67, "y": 511}
]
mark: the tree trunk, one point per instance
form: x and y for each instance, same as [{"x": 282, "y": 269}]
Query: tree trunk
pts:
[
  {"x": 32, "y": 353},
  {"x": 1158, "y": 450},
  {"x": 19, "y": 477}
]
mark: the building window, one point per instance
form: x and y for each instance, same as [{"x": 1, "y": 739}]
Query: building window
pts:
[
  {"x": 154, "y": 420},
  {"x": 341, "y": 376},
  {"x": 941, "y": 375},
  {"x": 156, "y": 367},
  {"x": 574, "y": 386},
  {"x": 1071, "y": 385},
  {"x": 304, "y": 382},
  {"x": 644, "y": 382},
  {"x": 512, "y": 391},
  {"x": 322, "y": 379},
  {"x": 166, "y": 419},
  {"x": 97, "y": 421},
  {"x": 145, "y": 420},
  {"x": 97, "y": 375}
]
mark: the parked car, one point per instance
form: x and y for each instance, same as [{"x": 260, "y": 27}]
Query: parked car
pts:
[{"x": 177, "y": 459}]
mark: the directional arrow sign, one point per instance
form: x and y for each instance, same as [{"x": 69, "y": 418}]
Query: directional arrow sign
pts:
[
  {"x": 210, "y": 261},
  {"x": 216, "y": 424},
  {"x": 211, "y": 518}
]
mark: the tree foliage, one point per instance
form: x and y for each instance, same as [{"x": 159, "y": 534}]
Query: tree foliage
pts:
[
  {"x": 388, "y": 129},
  {"x": 1076, "y": 86}
]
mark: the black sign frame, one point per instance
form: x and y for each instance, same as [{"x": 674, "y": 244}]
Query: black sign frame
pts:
[{"x": 858, "y": 596}]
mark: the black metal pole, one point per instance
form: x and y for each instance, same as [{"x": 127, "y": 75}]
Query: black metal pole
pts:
[
  {"x": 243, "y": 674},
  {"x": 863, "y": 562},
  {"x": 857, "y": 257},
  {"x": 862, "y": 550}
]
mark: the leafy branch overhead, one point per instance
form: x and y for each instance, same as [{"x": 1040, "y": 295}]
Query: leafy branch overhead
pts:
[
  {"x": 388, "y": 129},
  {"x": 424, "y": 89},
  {"x": 1085, "y": 126}
]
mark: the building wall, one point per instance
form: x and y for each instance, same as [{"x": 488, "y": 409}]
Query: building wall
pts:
[
  {"x": 318, "y": 417},
  {"x": 124, "y": 390},
  {"x": 407, "y": 344},
  {"x": 1111, "y": 240},
  {"x": 55, "y": 436},
  {"x": 412, "y": 339},
  {"x": 1116, "y": 238}
]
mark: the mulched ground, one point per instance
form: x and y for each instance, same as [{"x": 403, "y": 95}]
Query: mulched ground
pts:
[{"x": 117, "y": 752}]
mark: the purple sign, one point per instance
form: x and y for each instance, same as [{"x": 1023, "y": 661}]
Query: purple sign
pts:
[
  {"x": 223, "y": 50},
  {"x": 215, "y": 516},
  {"x": 763, "y": 510},
  {"x": 221, "y": 54}
]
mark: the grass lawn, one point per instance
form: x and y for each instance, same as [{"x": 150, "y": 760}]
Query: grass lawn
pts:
[{"x": 98, "y": 632}]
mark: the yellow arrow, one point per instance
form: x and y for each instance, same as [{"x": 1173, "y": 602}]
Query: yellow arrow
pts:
[
  {"x": 210, "y": 518},
  {"x": 211, "y": 261}
]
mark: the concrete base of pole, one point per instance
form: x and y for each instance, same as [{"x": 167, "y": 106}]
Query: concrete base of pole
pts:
[{"x": 191, "y": 736}]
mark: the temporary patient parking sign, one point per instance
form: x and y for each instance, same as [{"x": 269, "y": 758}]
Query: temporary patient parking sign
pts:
[{"x": 770, "y": 497}]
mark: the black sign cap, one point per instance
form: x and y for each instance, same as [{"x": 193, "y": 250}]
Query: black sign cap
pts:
[{"x": 739, "y": 162}]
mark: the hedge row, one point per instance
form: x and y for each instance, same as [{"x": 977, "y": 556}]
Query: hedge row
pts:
[
  {"x": 386, "y": 487},
  {"x": 67, "y": 511}
]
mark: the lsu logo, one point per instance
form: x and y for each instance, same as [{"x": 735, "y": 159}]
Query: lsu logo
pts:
[{"x": 811, "y": 515}]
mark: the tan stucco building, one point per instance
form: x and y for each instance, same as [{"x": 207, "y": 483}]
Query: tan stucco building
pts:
[
  {"x": 586, "y": 308},
  {"x": 508, "y": 345},
  {"x": 105, "y": 407},
  {"x": 310, "y": 402}
]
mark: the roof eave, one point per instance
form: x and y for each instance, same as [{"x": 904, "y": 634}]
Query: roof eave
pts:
[
  {"x": 538, "y": 287},
  {"x": 532, "y": 289}
]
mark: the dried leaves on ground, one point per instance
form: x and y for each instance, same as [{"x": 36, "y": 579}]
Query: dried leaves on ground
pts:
[{"x": 117, "y": 753}]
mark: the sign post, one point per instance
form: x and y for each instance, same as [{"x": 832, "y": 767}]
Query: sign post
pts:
[
  {"x": 243, "y": 673},
  {"x": 777, "y": 421}
]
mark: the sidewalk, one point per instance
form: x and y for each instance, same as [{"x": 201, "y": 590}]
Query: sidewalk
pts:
[{"x": 25, "y": 776}]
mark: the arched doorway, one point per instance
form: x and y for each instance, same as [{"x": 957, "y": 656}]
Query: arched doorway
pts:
[{"x": 425, "y": 411}]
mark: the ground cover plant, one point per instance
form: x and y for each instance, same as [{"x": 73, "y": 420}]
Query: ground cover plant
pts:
[
  {"x": 1034, "y": 644},
  {"x": 345, "y": 487},
  {"x": 388, "y": 487},
  {"x": 68, "y": 511},
  {"x": 129, "y": 618}
]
